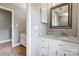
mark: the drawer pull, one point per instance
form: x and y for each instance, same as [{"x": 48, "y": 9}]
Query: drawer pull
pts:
[
  {"x": 64, "y": 54},
  {"x": 56, "y": 53},
  {"x": 42, "y": 47},
  {"x": 43, "y": 40},
  {"x": 60, "y": 45},
  {"x": 43, "y": 55}
]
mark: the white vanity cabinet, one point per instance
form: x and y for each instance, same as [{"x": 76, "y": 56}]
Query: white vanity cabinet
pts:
[{"x": 54, "y": 47}]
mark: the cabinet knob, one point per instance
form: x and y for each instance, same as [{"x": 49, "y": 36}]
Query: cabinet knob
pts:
[
  {"x": 60, "y": 45},
  {"x": 64, "y": 54},
  {"x": 56, "y": 53},
  {"x": 43, "y": 55},
  {"x": 48, "y": 47},
  {"x": 42, "y": 47},
  {"x": 78, "y": 54}
]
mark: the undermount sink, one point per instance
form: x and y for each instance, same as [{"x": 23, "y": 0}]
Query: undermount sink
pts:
[{"x": 63, "y": 37}]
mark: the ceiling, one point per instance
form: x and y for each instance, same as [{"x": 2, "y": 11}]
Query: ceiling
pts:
[{"x": 21, "y": 5}]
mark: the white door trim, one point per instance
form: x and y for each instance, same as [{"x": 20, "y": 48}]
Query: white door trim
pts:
[
  {"x": 5, "y": 41},
  {"x": 28, "y": 30},
  {"x": 8, "y": 9}
]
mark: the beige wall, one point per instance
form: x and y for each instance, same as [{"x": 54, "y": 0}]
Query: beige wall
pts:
[
  {"x": 19, "y": 15},
  {"x": 78, "y": 20},
  {"x": 72, "y": 31}
]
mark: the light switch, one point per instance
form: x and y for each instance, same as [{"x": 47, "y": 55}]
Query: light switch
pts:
[{"x": 16, "y": 25}]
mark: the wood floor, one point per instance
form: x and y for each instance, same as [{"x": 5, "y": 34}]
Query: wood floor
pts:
[{"x": 7, "y": 50}]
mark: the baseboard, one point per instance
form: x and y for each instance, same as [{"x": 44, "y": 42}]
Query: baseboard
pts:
[
  {"x": 15, "y": 45},
  {"x": 4, "y": 41}
]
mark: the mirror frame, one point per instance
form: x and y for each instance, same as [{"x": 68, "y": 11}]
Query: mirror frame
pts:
[{"x": 69, "y": 16}]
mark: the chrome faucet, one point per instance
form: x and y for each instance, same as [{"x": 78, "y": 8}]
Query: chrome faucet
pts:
[{"x": 62, "y": 33}]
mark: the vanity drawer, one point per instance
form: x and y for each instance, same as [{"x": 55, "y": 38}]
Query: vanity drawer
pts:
[
  {"x": 68, "y": 53},
  {"x": 71, "y": 46},
  {"x": 74, "y": 47}
]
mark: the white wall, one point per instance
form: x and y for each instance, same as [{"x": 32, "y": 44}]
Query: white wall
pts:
[
  {"x": 35, "y": 28},
  {"x": 35, "y": 22}
]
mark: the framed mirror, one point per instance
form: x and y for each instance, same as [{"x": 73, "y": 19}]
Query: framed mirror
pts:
[{"x": 61, "y": 16}]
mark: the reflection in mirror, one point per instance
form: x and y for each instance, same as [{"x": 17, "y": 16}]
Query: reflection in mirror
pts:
[{"x": 60, "y": 16}]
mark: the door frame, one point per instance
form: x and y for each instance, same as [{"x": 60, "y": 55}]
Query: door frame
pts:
[{"x": 11, "y": 10}]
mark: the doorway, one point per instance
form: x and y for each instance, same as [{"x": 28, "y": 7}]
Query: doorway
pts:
[{"x": 7, "y": 22}]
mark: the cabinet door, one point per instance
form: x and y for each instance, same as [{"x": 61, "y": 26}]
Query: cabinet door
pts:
[
  {"x": 52, "y": 51},
  {"x": 55, "y": 49},
  {"x": 52, "y": 48},
  {"x": 44, "y": 42},
  {"x": 60, "y": 52},
  {"x": 43, "y": 50}
]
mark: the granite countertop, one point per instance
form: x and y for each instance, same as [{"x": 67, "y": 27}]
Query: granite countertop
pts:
[{"x": 72, "y": 39}]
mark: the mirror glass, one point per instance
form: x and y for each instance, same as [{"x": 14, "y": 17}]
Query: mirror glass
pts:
[{"x": 60, "y": 16}]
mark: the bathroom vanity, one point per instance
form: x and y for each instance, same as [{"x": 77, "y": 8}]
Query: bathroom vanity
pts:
[
  {"x": 60, "y": 21},
  {"x": 58, "y": 45}
]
